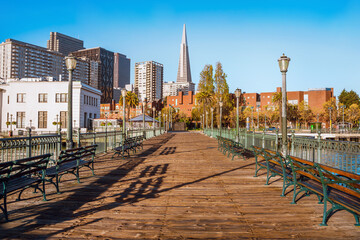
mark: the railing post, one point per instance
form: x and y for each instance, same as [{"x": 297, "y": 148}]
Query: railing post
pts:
[
  {"x": 263, "y": 139},
  {"x": 106, "y": 138},
  {"x": 58, "y": 145},
  {"x": 292, "y": 142},
  {"x": 277, "y": 141},
  {"x": 78, "y": 136},
  {"x": 94, "y": 138},
  {"x": 245, "y": 138},
  {"x": 253, "y": 137},
  {"x": 28, "y": 152},
  {"x": 319, "y": 148}
]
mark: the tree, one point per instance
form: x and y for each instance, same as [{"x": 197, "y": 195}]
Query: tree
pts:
[
  {"x": 305, "y": 114},
  {"x": 353, "y": 114},
  {"x": 222, "y": 91},
  {"x": 349, "y": 98},
  {"x": 131, "y": 101},
  {"x": 326, "y": 111}
]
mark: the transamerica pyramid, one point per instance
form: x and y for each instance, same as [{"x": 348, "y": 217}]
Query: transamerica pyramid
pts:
[{"x": 184, "y": 73}]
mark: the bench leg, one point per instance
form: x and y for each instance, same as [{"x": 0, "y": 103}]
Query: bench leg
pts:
[
  {"x": 4, "y": 209},
  {"x": 57, "y": 184},
  {"x": 77, "y": 174},
  {"x": 356, "y": 219}
]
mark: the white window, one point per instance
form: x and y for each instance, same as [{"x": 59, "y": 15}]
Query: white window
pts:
[{"x": 20, "y": 97}]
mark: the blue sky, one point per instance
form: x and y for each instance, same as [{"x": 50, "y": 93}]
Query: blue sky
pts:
[{"x": 322, "y": 38}]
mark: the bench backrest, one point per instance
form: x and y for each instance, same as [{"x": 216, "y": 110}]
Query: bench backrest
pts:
[
  {"x": 29, "y": 166},
  {"x": 5, "y": 170},
  {"x": 329, "y": 177},
  {"x": 88, "y": 151}
]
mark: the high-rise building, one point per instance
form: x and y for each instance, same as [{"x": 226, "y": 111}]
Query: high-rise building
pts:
[
  {"x": 64, "y": 44},
  {"x": 105, "y": 60},
  {"x": 184, "y": 73},
  {"x": 121, "y": 70},
  {"x": 183, "y": 81},
  {"x": 149, "y": 80},
  {"x": 24, "y": 60}
]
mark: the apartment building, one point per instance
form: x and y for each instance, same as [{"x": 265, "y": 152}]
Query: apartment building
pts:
[
  {"x": 23, "y": 60},
  {"x": 149, "y": 80},
  {"x": 64, "y": 44}
]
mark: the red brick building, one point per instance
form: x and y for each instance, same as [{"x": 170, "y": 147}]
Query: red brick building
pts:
[
  {"x": 184, "y": 103},
  {"x": 314, "y": 98}
]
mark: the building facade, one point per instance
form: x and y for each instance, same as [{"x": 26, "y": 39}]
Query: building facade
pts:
[
  {"x": 149, "y": 80},
  {"x": 183, "y": 103},
  {"x": 184, "y": 73},
  {"x": 121, "y": 70},
  {"x": 105, "y": 70},
  {"x": 314, "y": 98},
  {"x": 38, "y": 104},
  {"x": 173, "y": 88},
  {"x": 23, "y": 60},
  {"x": 64, "y": 44},
  {"x": 183, "y": 82}
]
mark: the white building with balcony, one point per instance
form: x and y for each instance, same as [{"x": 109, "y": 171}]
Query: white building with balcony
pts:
[{"x": 40, "y": 103}]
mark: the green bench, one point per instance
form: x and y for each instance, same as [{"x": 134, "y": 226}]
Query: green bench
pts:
[
  {"x": 275, "y": 165},
  {"x": 70, "y": 161},
  {"x": 230, "y": 147},
  {"x": 20, "y": 175},
  {"x": 130, "y": 144},
  {"x": 339, "y": 188}
]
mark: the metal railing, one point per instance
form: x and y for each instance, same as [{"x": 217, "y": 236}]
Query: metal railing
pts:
[
  {"x": 339, "y": 154},
  {"x": 21, "y": 147}
]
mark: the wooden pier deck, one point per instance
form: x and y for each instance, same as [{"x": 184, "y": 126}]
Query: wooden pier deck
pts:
[{"x": 179, "y": 187}]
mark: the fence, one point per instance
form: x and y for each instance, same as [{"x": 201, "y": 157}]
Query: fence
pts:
[
  {"x": 21, "y": 147},
  {"x": 339, "y": 154}
]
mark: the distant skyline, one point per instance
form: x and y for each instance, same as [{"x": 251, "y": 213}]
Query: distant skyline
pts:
[{"x": 321, "y": 37}]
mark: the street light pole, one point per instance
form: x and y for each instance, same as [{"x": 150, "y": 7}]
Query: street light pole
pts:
[
  {"x": 160, "y": 122},
  {"x": 284, "y": 64},
  {"x": 237, "y": 94},
  {"x": 212, "y": 120},
  {"x": 258, "y": 126},
  {"x": 330, "y": 108},
  {"x": 206, "y": 119},
  {"x": 144, "y": 102},
  {"x": 123, "y": 93},
  {"x": 70, "y": 62},
  {"x": 343, "y": 126},
  {"x": 154, "y": 120},
  {"x": 221, "y": 105}
]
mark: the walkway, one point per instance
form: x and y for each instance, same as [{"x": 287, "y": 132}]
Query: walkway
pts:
[{"x": 179, "y": 187}]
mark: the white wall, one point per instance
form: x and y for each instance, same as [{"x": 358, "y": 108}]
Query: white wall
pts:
[{"x": 31, "y": 107}]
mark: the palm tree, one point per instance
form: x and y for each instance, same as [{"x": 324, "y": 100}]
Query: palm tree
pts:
[
  {"x": 131, "y": 101},
  {"x": 205, "y": 98},
  {"x": 277, "y": 100}
]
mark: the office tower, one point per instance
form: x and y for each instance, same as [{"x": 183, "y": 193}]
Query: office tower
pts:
[
  {"x": 105, "y": 60},
  {"x": 121, "y": 70},
  {"x": 149, "y": 80},
  {"x": 184, "y": 73},
  {"x": 64, "y": 44}
]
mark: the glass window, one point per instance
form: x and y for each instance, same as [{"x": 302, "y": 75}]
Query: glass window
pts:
[
  {"x": 42, "y": 119},
  {"x": 20, "y": 119},
  {"x": 63, "y": 119},
  {"x": 43, "y": 97},
  {"x": 21, "y": 97}
]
